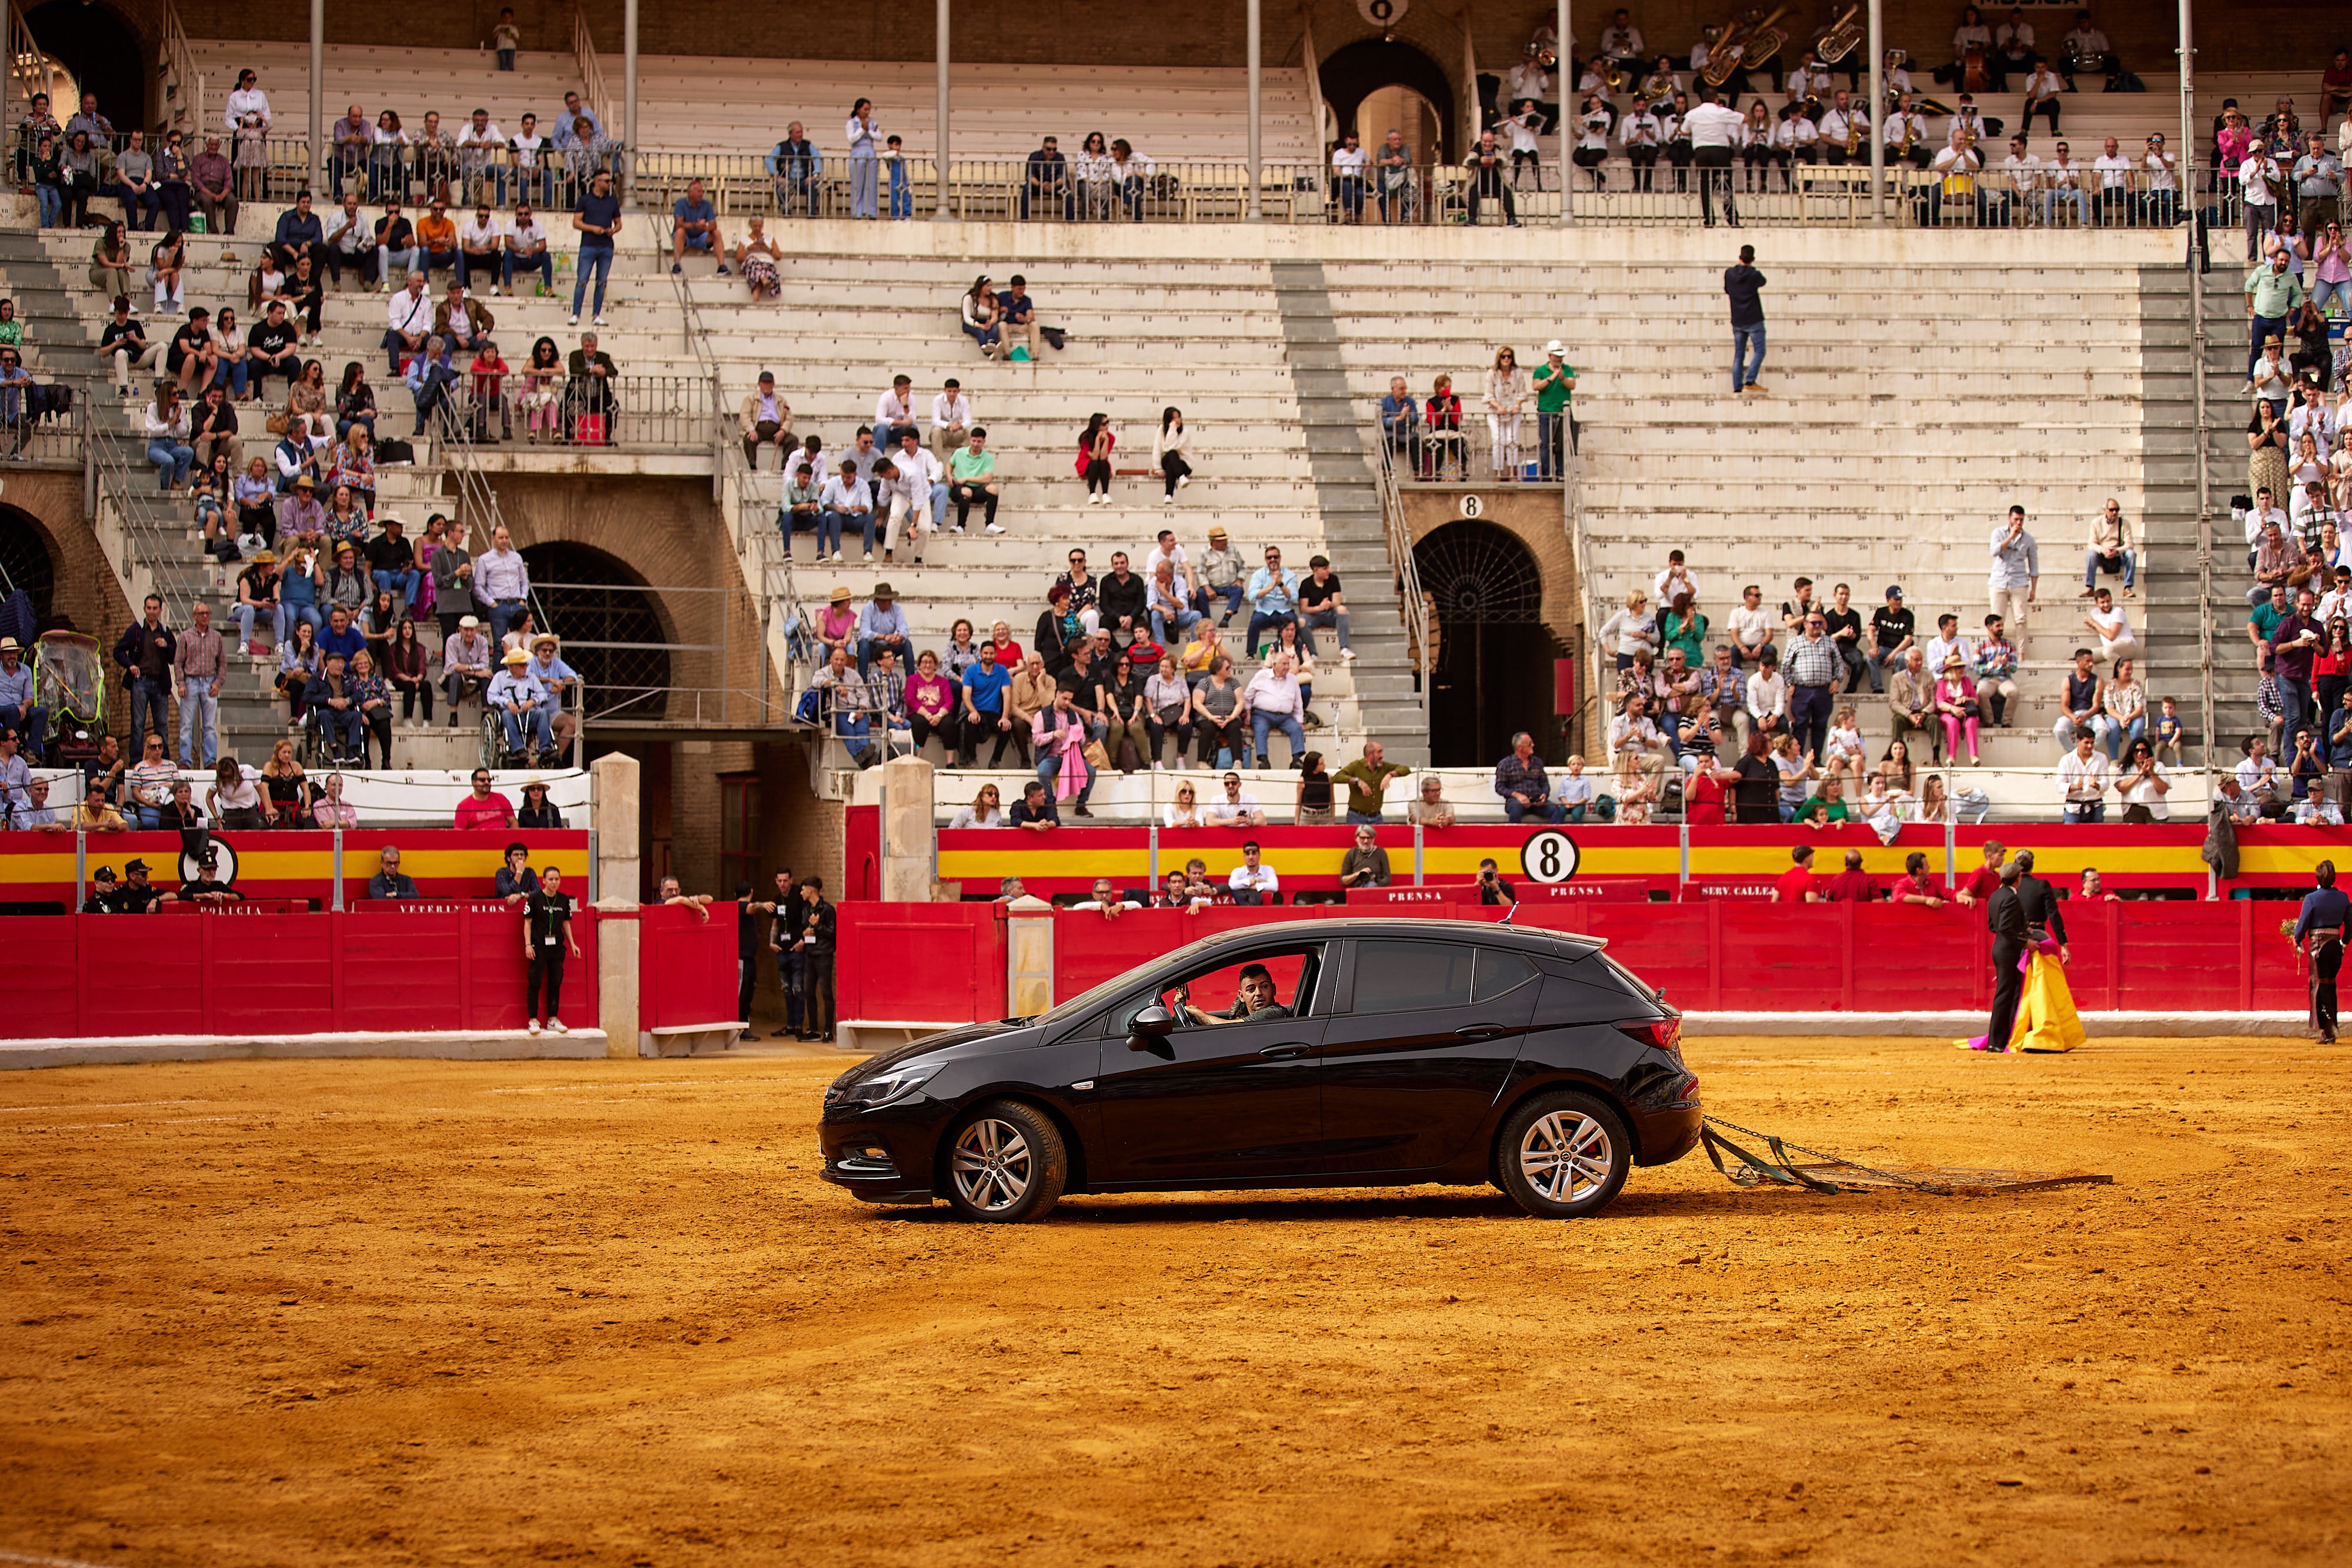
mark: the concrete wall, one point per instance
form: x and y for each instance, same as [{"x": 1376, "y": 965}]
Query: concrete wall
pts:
[{"x": 2253, "y": 35}]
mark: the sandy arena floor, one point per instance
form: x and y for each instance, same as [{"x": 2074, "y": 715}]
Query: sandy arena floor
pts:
[{"x": 390, "y": 1313}]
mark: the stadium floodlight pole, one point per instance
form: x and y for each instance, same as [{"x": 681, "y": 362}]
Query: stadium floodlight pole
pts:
[
  {"x": 318, "y": 159},
  {"x": 1256, "y": 147},
  {"x": 1567, "y": 201},
  {"x": 1875, "y": 44},
  {"x": 940, "y": 150}
]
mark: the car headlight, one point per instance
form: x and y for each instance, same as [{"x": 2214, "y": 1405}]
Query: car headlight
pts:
[{"x": 891, "y": 1083}]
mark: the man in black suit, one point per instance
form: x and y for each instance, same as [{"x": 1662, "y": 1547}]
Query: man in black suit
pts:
[
  {"x": 2005, "y": 918},
  {"x": 2041, "y": 902}
]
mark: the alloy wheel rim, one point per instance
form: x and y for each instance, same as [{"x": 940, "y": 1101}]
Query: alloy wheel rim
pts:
[
  {"x": 992, "y": 1165},
  {"x": 1565, "y": 1157}
]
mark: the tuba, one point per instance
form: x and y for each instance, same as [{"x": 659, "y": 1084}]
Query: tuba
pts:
[
  {"x": 1844, "y": 33},
  {"x": 1749, "y": 43}
]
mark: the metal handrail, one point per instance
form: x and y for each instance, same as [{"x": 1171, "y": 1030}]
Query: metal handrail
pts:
[
  {"x": 1411, "y": 602},
  {"x": 184, "y": 85},
  {"x": 109, "y": 484},
  {"x": 592, "y": 77}
]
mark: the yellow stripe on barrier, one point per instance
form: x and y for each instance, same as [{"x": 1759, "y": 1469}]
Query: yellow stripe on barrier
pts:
[
  {"x": 18, "y": 869},
  {"x": 2054, "y": 856},
  {"x": 977, "y": 865},
  {"x": 285, "y": 866},
  {"x": 451, "y": 864},
  {"x": 2279, "y": 860},
  {"x": 1771, "y": 860}
]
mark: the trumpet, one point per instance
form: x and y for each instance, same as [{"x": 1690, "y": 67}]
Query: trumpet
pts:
[
  {"x": 1547, "y": 59},
  {"x": 1613, "y": 78}
]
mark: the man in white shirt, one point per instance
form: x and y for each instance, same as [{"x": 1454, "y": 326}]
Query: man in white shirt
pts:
[
  {"x": 1237, "y": 808},
  {"x": 2115, "y": 173},
  {"x": 919, "y": 495},
  {"x": 2311, "y": 417},
  {"x": 2083, "y": 780},
  {"x": 1809, "y": 78},
  {"x": 2262, "y": 182},
  {"x": 1837, "y": 123},
  {"x": 2163, "y": 189},
  {"x": 2013, "y": 46},
  {"x": 1107, "y": 900},
  {"x": 479, "y": 144},
  {"x": 1633, "y": 731},
  {"x": 1621, "y": 44},
  {"x": 1252, "y": 880},
  {"x": 482, "y": 248},
  {"x": 846, "y": 501},
  {"x": 351, "y": 240},
  {"x": 1349, "y": 161},
  {"x": 1529, "y": 81},
  {"x": 1167, "y": 552},
  {"x": 408, "y": 320},
  {"x": 1714, "y": 129},
  {"x": 1676, "y": 579},
  {"x": 1751, "y": 626},
  {"x": 2015, "y": 575},
  {"x": 1768, "y": 700},
  {"x": 2257, "y": 776},
  {"x": 1904, "y": 123},
  {"x": 894, "y": 412},
  {"x": 1947, "y": 642},
  {"x": 2061, "y": 185},
  {"x": 1796, "y": 140},
  {"x": 528, "y": 251},
  {"x": 2042, "y": 94},
  {"x": 2021, "y": 179},
  {"x": 1969, "y": 121},
  {"x": 2084, "y": 49},
  {"x": 950, "y": 418},
  {"x": 534, "y": 159},
  {"x": 1643, "y": 136},
  {"x": 1275, "y": 704}
]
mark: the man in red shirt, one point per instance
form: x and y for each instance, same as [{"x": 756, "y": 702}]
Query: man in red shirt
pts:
[
  {"x": 1852, "y": 885},
  {"x": 1796, "y": 884},
  {"x": 485, "y": 808},
  {"x": 1981, "y": 883},
  {"x": 1914, "y": 886}
]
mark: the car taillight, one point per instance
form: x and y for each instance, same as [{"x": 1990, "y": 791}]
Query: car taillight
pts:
[{"x": 1663, "y": 1033}]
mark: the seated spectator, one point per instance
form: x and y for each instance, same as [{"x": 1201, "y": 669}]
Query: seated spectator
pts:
[
  {"x": 765, "y": 419},
  {"x": 2079, "y": 716},
  {"x": 1254, "y": 882},
  {"x": 516, "y": 880},
  {"x": 1828, "y": 806},
  {"x": 1429, "y": 808},
  {"x": 331, "y": 809},
  {"x": 981, "y": 315},
  {"x": 695, "y": 226},
  {"x": 1276, "y": 703},
  {"x": 1236, "y": 808},
  {"x": 485, "y": 808},
  {"x": 1273, "y": 593},
  {"x": 2106, "y": 623},
  {"x": 95, "y": 814},
  {"x": 1366, "y": 864},
  {"x": 1796, "y": 886},
  {"x": 756, "y": 260},
  {"x": 1220, "y": 718},
  {"x": 1035, "y": 810},
  {"x": 555, "y": 678},
  {"x": 1520, "y": 782},
  {"x": 390, "y": 881},
  {"x": 1494, "y": 888},
  {"x": 1400, "y": 422},
  {"x": 984, "y": 812},
  {"x": 1060, "y": 734},
  {"x": 2083, "y": 780},
  {"x": 1751, "y": 626},
  {"x": 973, "y": 481},
  {"x": 1911, "y": 699},
  {"x": 520, "y": 702},
  {"x": 1184, "y": 811},
  {"x": 1574, "y": 795},
  {"x": 1630, "y": 733},
  {"x": 35, "y": 814}
]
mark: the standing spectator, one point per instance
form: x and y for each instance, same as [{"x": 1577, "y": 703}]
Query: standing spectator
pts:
[
  {"x": 865, "y": 141},
  {"x": 2296, "y": 644},
  {"x": 501, "y": 582},
  {"x": 547, "y": 936},
  {"x": 1744, "y": 284},
  {"x": 817, "y": 926},
  {"x": 1813, "y": 670},
  {"x": 1508, "y": 393},
  {"x": 1367, "y": 779},
  {"x": 1520, "y": 782},
  {"x": 2016, "y": 572},
  {"x": 2318, "y": 187},
  {"x": 598, "y": 220},
  {"x": 2272, "y": 295},
  {"x": 146, "y": 653},
  {"x": 1555, "y": 388},
  {"x": 1276, "y": 703},
  {"x": 201, "y": 659}
]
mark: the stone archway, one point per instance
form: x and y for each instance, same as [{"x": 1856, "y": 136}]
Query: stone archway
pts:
[
  {"x": 104, "y": 54},
  {"x": 26, "y": 562},
  {"x": 1493, "y": 664},
  {"x": 1354, "y": 72},
  {"x": 611, "y": 630}
]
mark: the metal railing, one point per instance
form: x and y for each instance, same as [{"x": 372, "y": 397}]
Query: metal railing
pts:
[
  {"x": 1413, "y": 604},
  {"x": 184, "y": 85},
  {"x": 593, "y": 91},
  {"x": 1467, "y": 455},
  {"x": 620, "y": 414},
  {"x": 34, "y": 430}
]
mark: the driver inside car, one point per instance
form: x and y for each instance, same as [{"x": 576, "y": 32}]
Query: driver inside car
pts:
[{"x": 1254, "y": 1001}]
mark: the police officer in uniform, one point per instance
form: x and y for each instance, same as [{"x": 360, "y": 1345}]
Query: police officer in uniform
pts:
[{"x": 2320, "y": 936}]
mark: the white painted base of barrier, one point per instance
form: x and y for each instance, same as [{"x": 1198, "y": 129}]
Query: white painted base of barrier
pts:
[
  {"x": 689, "y": 1039},
  {"x": 1961, "y": 1026},
  {"x": 504, "y": 1045},
  {"x": 869, "y": 1036}
]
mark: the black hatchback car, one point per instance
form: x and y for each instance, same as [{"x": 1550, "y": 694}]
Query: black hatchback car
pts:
[{"x": 1344, "y": 1052}]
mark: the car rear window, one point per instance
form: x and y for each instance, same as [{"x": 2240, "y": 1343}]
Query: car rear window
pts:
[
  {"x": 1409, "y": 976},
  {"x": 1499, "y": 971}
]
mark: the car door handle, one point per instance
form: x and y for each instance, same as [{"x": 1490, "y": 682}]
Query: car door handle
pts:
[
  {"x": 1483, "y": 1031},
  {"x": 1283, "y": 1052}
]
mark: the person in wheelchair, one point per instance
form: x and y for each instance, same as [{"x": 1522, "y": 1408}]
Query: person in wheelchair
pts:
[
  {"x": 518, "y": 703},
  {"x": 334, "y": 714}
]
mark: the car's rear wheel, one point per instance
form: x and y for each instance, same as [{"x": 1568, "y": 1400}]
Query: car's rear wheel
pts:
[
  {"x": 1563, "y": 1154},
  {"x": 1005, "y": 1164}
]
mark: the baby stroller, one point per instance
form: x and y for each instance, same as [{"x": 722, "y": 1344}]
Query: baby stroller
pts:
[{"x": 70, "y": 685}]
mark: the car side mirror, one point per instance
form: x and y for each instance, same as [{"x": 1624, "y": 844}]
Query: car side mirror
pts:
[{"x": 1153, "y": 1023}]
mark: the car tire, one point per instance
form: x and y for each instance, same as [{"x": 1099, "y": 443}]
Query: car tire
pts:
[
  {"x": 1562, "y": 1156},
  {"x": 1004, "y": 1164}
]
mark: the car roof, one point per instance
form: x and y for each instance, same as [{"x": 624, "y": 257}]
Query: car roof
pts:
[{"x": 1527, "y": 938}]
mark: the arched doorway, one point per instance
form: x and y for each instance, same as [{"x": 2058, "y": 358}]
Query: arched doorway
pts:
[
  {"x": 26, "y": 563},
  {"x": 1357, "y": 71},
  {"x": 1493, "y": 673},
  {"x": 104, "y": 55},
  {"x": 611, "y": 629}
]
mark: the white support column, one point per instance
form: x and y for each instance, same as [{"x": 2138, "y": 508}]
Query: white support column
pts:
[
  {"x": 613, "y": 809},
  {"x": 1257, "y": 142},
  {"x": 1876, "y": 45},
  {"x": 317, "y": 160},
  {"x": 629, "y": 79},
  {"x": 1562, "y": 85},
  {"x": 939, "y": 154}
]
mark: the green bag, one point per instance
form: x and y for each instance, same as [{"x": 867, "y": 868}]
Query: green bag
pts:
[
  {"x": 197, "y": 223},
  {"x": 1020, "y": 354}
]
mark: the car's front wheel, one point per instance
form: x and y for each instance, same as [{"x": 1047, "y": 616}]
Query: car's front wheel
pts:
[
  {"x": 1562, "y": 1156},
  {"x": 1007, "y": 1164}
]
